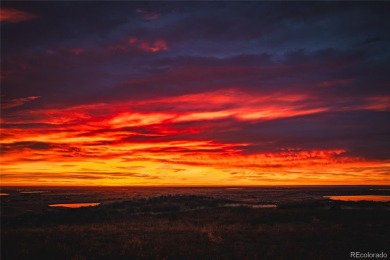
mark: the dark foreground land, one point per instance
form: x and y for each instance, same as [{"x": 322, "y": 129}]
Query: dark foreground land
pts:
[{"x": 198, "y": 227}]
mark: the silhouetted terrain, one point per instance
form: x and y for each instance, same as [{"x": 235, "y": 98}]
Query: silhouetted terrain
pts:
[{"x": 191, "y": 226}]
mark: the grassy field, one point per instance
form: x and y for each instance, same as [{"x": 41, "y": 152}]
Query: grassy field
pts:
[{"x": 198, "y": 233}]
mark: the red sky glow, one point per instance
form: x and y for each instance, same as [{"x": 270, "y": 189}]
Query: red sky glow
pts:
[{"x": 160, "y": 94}]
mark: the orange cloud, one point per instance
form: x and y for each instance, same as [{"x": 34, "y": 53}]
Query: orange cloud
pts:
[
  {"x": 145, "y": 143},
  {"x": 238, "y": 105},
  {"x": 139, "y": 119},
  {"x": 12, "y": 15}
]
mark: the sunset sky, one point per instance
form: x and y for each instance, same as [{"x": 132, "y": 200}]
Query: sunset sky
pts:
[{"x": 195, "y": 93}]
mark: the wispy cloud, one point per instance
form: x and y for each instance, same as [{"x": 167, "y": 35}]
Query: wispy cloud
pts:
[
  {"x": 6, "y": 104},
  {"x": 133, "y": 43},
  {"x": 156, "y": 46},
  {"x": 148, "y": 15},
  {"x": 12, "y": 15}
]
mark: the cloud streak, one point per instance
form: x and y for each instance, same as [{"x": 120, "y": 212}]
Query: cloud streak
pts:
[
  {"x": 12, "y": 15},
  {"x": 6, "y": 104}
]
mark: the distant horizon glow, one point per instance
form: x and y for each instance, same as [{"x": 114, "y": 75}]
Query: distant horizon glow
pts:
[{"x": 168, "y": 94}]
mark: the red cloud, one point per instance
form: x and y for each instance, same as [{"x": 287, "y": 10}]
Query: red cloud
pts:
[
  {"x": 77, "y": 51},
  {"x": 133, "y": 42},
  {"x": 158, "y": 45},
  {"x": 16, "y": 102},
  {"x": 12, "y": 15},
  {"x": 102, "y": 138}
]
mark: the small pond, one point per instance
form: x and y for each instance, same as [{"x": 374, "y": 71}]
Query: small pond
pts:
[
  {"x": 378, "y": 198},
  {"x": 75, "y": 205}
]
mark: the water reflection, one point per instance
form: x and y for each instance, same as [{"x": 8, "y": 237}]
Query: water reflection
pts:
[
  {"x": 380, "y": 198},
  {"x": 265, "y": 206},
  {"x": 75, "y": 205},
  {"x": 33, "y": 192},
  {"x": 4, "y": 194},
  {"x": 254, "y": 206}
]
